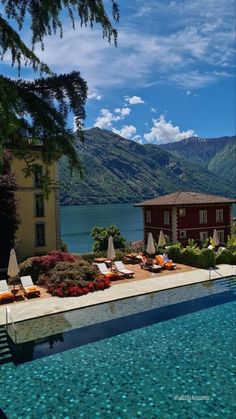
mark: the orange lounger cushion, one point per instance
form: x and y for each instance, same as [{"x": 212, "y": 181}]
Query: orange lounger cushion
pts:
[
  {"x": 160, "y": 261},
  {"x": 5, "y": 294},
  {"x": 31, "y": 289},
  {"x": 110, "y": 274},
  {"x": 169, "y": 265}
]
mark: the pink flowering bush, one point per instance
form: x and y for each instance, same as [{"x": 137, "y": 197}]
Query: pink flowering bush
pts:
[
  {"x": 39, "y": 266},
  {"x": 63, "y": 274},
  {"x": 74, "y": 289}
]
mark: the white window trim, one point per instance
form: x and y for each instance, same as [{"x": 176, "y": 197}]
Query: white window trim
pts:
[
  {"x": 202, "y": 239},
  {"x": 166, "y": 217},
  {"x": 35, "y": 206},
  {"x": 221, "y": 234},
  {"x": 148, "y": 216},
  {"x": 219, "y": 219},
  {"x": 36, "y": 244},
  {"x": 184, "y": 212},
  {"x": 202, "y": 216}
]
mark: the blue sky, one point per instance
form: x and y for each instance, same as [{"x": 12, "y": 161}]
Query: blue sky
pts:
[{"x": 171, "y": 76}]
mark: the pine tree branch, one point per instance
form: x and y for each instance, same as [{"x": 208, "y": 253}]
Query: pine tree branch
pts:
[
  {"x": 36, "y": 108},
  {"x": 10, "y": 40},
  {"x": 46, "y": 19}
]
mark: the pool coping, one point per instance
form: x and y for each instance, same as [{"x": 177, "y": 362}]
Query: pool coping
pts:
[{"x": 31, "y": 309}]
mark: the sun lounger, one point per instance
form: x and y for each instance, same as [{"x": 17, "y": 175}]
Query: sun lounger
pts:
[
  {"x": 104, "y": 271},
  {"x": 121, "y": 269},
  {"x": 165, "y": 264},
  {"x": 149, "y": 265},
  {"x": 5, "y": 293},
  {"x": 28, "y": 287},
  {"x": 151, "y": 268}
]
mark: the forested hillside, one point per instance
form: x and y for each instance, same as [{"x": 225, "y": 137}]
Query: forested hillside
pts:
[{"x": 120, "y": 170}]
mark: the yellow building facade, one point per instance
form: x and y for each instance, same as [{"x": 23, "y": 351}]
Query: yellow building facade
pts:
[{"x": 39, "y": 229}]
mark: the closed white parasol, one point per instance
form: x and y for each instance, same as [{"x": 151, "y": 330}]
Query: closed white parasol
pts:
[
  {"x": 161, "y": 239},
  {"x": 216, "y": 238},
  {"x": 150, "y": 245},
  {"x": 13, "y": 267},
  {"x": 111, "y": 254}
]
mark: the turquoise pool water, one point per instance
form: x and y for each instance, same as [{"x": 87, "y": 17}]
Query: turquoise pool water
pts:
[{"x": 183, "y": 367}]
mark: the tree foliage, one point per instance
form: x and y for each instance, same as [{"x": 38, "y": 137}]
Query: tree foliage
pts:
[
  {"x": 39, "y": 109},
  {"x": 101, "y": 235},
  {"x": 9, "y": 219}
]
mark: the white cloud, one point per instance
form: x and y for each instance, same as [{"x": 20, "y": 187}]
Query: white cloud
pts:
[
  {"x": 134, "y": 100},
  {"x": 128, "y": 131},
  {"x": 123, "y": 111},
  {"x": 164, "y": 132},
  {"x": 195, "y": 80},
  {"x": 176, "y": 38},
  {"x": 144, "y": 58},
  {"x": 153, "y": 110},
  {"x": 104, "y": 121},
  {"x": 106, "y": 118},
  {"x": 94, "y": 95}
]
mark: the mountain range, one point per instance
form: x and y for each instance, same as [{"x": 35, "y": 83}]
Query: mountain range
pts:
[
  {"x": 120, "y": 170},
  {"x": 218, "y": 155}
]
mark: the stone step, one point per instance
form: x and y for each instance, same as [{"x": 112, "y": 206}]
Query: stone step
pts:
[
  {"x": 3, "y": 351},
  {"x": 4, "y": 344},
  {"x": 5, "y": 358}
]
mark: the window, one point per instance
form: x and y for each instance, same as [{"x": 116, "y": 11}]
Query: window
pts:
[
  {"x": 166, "y": 217},
  {"x": 148, "y": 216},
  {"x": 182, "y": 234},
  {"x": 203, "y": 236},
  {"x": 40, "y": 235},
  {"x": 203, "y": 216},
  {"x": 38, "y": 173},
  {"x": 39, "y": 205},
  {"x": 219, "y": 216},
  {"x": 221, "y": 236},
  {"x": 182, "y": 212}
]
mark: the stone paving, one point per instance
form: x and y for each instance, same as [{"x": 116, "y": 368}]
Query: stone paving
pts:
[{"x": 33, "y": 308}]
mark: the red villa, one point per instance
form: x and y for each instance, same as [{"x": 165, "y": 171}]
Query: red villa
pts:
[{"x": 188, "y": 215}]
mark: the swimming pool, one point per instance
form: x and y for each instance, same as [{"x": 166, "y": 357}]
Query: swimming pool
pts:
[{"x": 174, "y": 364}]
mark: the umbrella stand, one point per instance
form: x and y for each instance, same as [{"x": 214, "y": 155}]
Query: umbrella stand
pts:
[{"x": 14, "y": 284}]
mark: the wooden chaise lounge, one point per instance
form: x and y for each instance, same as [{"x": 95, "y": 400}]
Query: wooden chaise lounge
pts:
[
  {"x": 30, "y": 290},
  {"x": 5, "y": 293}
]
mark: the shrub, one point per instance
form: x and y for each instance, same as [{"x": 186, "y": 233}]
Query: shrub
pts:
[
  {"x": 191, "y": 244},
  {"x": 233, "y": 261},
  {"x": 205, "y": 259},
  {"x": 189, "y": 256},
  {"x": 80, "y": 272},
  {"x": 9, "y": 217},
  {"x": 89, "y": 257},
  {"x": 160, "y": 250},
  {"x": 74, "y": 288},
  {"x": 120, "y": 255},
  {"x": 224, "y": 257},
  {"x": 231, "y": 243},
  {"x": 174, "y": 253},
  {"x": 64, "y": 247},
  {"x": 38, "y": 266}
]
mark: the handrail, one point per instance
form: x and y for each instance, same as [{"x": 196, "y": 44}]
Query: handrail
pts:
[
  {"x": 9, "y": 317},
  {"x": 212, "y": 269}
]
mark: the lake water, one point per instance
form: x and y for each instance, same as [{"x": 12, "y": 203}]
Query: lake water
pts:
[{"x": 77, "y": 222}]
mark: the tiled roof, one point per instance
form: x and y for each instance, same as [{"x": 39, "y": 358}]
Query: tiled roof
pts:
[{"x": 186, "y": 198}]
